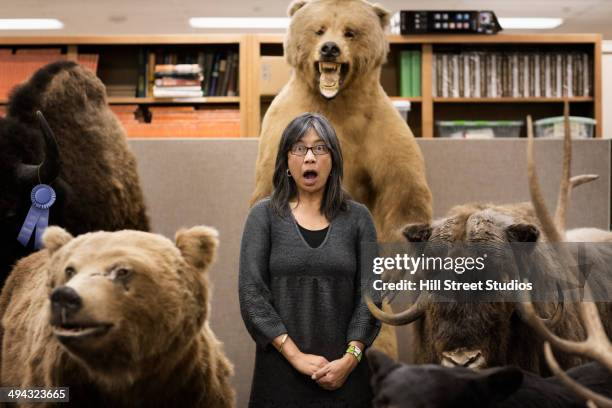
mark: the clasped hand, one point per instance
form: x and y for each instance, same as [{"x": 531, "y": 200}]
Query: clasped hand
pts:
[
  {"x": 333, "y": 375},
  {"x": 329, "y": 375}
]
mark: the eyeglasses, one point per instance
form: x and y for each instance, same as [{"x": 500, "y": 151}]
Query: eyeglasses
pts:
[{"x": 302, "y": 150}]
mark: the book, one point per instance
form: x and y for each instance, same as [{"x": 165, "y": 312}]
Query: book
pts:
[
  {"x": 214, "y": 75},
  {"x": 224, "y": 67},
  {"x": 517, "y": 74},
  {"x": 405, "y": 77},
  {"x": 232, "y": 87}
]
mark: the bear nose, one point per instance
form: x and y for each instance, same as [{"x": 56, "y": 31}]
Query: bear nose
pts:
[
  {"x": 65, "y": 298},
  {"x": 330, "y": 49}
]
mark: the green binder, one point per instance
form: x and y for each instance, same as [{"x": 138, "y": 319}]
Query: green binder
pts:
[{"x": 405, "y": 66}]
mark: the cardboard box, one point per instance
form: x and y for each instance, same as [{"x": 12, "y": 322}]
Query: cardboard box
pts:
[{"x": 275, "y": 73}]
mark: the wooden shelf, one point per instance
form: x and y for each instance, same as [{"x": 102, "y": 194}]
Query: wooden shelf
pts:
[
  {"x": 412, "y": 99},
  {"x": 151, "y": 101},
  {"x": 501, "y": 38},
  {"x": 427, "y": 108},
  {"x": 513, "y": 100}
]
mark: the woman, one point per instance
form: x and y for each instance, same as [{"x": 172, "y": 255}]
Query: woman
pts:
[{"x": 301, "y": 278}]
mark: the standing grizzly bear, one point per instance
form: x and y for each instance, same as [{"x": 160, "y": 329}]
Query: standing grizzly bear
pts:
[
  {"x": 121, "y": 318},
  {"x": 336, "y": 48}
]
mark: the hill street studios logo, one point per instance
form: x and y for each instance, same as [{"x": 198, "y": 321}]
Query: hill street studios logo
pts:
[
  {"x": 490, "y": 272},
  {"x": 440, "y": 266}
]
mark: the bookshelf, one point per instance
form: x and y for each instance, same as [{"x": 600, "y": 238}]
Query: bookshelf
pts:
[
  {"x": 123, "y": 64},
  {"x": 118, "y": 67},
  {"x": 428, "y": 108}
]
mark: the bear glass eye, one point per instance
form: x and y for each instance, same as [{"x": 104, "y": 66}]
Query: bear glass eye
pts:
[
  {"x": 349, "y": 34},
  {"x": 122, "y": 273},
  {"x": 320, "y": 31},
  {"x": 69, "y": 272}
]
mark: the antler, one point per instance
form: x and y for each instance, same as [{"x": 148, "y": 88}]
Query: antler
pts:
[
  {"x": 600, "y": 401},
  {"x": 554, "y": 230},
  {"x": 596, "y": 346}
]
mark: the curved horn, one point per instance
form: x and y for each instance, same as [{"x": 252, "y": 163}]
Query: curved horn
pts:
[
  {"x": 413, "y": 313},
  {"x": 27, "y": 174},
  {"x": 51, "y": 165},
  {"x": 48, "y": 170},
  {"x": 557, "y": 316}
]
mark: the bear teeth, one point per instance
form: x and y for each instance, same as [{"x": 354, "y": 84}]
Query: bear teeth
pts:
[{"x": 329, "y": 66}]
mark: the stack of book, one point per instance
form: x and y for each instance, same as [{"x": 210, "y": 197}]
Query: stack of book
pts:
[
  {"x": 170, "y": 75},
  {"x": 545, "y": 74},
  {"x": 187, "y": 121},
  {"x": 220, "y": 72},
  {"x": 409, "y": 73},
  {"x": 177, "y": 81}
]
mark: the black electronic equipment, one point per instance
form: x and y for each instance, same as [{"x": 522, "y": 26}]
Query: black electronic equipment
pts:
[{"x": 444, "y": 22}]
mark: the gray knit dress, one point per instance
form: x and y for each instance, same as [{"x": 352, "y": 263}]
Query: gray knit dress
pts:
[{"x": 314, "y": 295}]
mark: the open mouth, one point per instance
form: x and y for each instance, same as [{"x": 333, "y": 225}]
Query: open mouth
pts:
[
  {"x": 70, "y": 331},
  {"x": 310, "y": 176},
  {"x": 331, "y": 77}
]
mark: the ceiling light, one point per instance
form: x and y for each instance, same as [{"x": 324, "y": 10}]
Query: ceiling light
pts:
[
  {"x": 30, "y": 24},
  {"x": 239, "y": 22},
  {"x": 530, "y": 23}
]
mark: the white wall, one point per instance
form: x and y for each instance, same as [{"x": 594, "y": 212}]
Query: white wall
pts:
[{"x": 607, "y": 89}]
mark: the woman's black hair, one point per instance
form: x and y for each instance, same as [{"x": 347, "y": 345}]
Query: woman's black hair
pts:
[{"x": 334, "y": 197}]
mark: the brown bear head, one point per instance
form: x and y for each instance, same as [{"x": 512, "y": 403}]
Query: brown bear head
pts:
[
  {"x": 332, "y": 43},
  {"x": 121, "y": 301}
]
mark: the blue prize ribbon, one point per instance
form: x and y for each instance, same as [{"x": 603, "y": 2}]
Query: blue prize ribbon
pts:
[{"x": 43, "y": 197}]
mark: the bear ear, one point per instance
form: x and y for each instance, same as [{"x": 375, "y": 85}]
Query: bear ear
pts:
[
  {"x": 55, "y": 237},
  {"x": 417, "y": 232},
  {"x": 295, "y": 6},
  {"x": 198, "y": 245},
  {"x": 383, "y": 14}
]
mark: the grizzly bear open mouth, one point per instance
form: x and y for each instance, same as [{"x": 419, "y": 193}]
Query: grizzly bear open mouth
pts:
[
  {"x": 68, "y": 331},
  {"x": 331, "y": 77}
]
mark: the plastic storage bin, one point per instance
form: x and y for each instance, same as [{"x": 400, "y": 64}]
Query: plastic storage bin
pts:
[
  {"x": 580, "y": 128},
  {"x": 403, "y": 107},
  {"x": 479, "y": 129}
]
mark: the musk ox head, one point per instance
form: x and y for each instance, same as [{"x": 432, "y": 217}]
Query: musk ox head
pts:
[
  {"x": 454, "y": 329},
  {"x": 473, "y": 333},
  {"x": 332, "y": 43},
  {"x": 28, "y": 156},
  {"x": 123, "y": 302}
]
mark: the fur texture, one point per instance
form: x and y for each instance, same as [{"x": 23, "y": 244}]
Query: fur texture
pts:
[
  {"x": 383, "y": 165},
  {"x": 98, "y": 186},
  {"x": 447, "y": 327},
  {"x": 429, "y": 386},
  {"x": 146, "y": 302}
]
